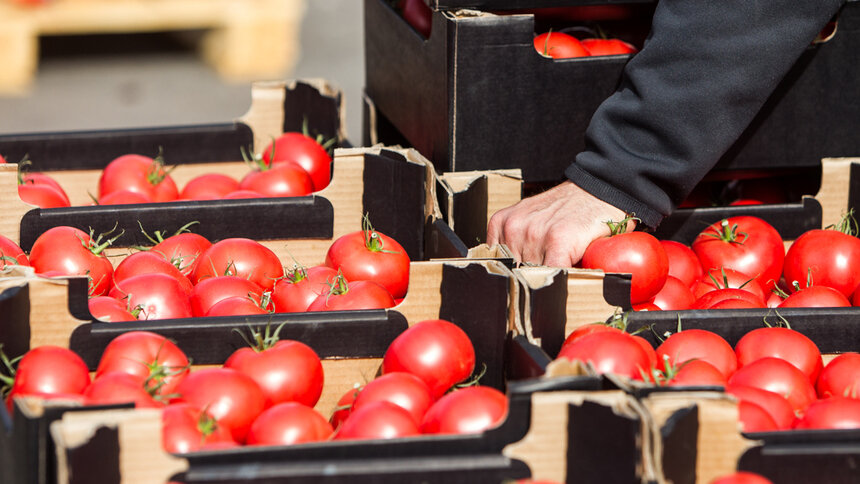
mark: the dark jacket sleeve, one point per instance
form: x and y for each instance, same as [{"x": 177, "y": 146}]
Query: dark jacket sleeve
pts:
[{"x": 704, "y": 72}]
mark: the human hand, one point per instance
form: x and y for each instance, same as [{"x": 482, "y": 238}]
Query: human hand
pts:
[{"x": 555, "y": 227}]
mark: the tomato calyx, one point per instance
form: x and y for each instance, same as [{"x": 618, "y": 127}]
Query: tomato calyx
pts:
[
  {"x": 206, "y": 424},
  {"x": 255, "y": 161},
  {"x": 159, "y": 237},
  {"x": 473, "y": 381},
  {"x": 261, "y": 341},
  {"x": 847, "y": 224},
  {"x": 667, "y": 374},
  {"x": 782, "y": 323},
  {"x": 728, "y": 233},
  {"x": 23, "y": 167},
  {"x": 372, "y": 241},
  {"x": 95, "y": 244},
  {"x": 620, "y": 227},
  {"x": 157, "y": 172},
  {"x": 7, "y": 373},
  {"x": 326, "y": 144},
  {"x": 725, "y": 282}
]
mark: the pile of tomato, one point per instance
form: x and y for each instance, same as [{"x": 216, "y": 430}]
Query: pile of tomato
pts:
[
  {"x": 294, "y": 164},
  {"x": 265, "y": 394}
]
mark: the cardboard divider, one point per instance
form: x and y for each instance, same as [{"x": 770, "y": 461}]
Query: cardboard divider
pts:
[{"x": 468, "y": 199}]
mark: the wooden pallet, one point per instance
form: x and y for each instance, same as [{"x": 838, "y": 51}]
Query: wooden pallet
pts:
[{"x": 245, "y": 39}]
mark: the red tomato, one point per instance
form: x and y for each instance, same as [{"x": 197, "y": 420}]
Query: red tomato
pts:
[
  {"x": 11, "y": 253},
  {"x": 209, "y": 291},
  {"x": 211, "y": 186},
  {"x": 239, "y": 257},
  {"x": 69, "y": 251},
  {"x": 344, "y": 406},
  {"x": 109, "y": 310},
  {"x": 400, "y": 388},
  {"x": 124, "y": 197},
  {"x": 746, "y": 244},
  {"x": 353, "y": 295},
  {"x": 378, "y": 420},
  {"x": 776, "y": 405},
  {"x": 754, "y": 418},
  {"x": 831, "y": 413},
  {"x": 42, "y": 196},
  {"x": 827, "y": 257},
  {"x": 232, "y": 398},
  {"x": 289, "y": 423},
  {"x": 284, "y": 180},
  {"x": 648, "y": 349},
  {"x": 295, "y": 292},
  {"x": 288, "y": 371},
  {"x": 418, "y": 15},
  {"x": 116, "y": 388},
  {"x": 816, "y": 297},
  {"x": 149, "y": 357},
  {"x": 698, "y": 344},
  {"x": 240, "y": 194},
  {"x": 683, "y": 262},
  {"x": 435, "y": 350},
  {"x": 182, "y": 250},
  {"x": 735, "y": 304},
  {"x": 559, "y": 45},
  {"x": 148, "y": 262},
  {"x": 778, "y": 376},
  {"x": 140, "y": 174},
  {"x": 236, "y": 306},
  {"x": 741, "y": 478},
  {"x": 368, "y": 255},
  {"x": 50, "y": 370},
  {"x": 609, "y": 352},
  {"x": 714, "y": 297},
  {"x": 646, "y": 306},
  {"x": 587, "y": 329},
  {"x": 35, "y": 178},
  {"x": 185, "y": 428},
  {"x": 468, "y": 410},
  {"x": 159, "y": 296},
  {"x": 696, "y": 373},
  {"x": 787, "y": 344},
  {"x": 303, "y": 151},
  {"x": 636, "y": 253},
  {"x": 607, "y": 47},
  {"x": 673, "y": 296},
  {"x": 722, "y": 278},
  {"x": 840, "y": 378}
]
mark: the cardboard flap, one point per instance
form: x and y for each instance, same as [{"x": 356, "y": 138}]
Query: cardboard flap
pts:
[
  {"x": 544, "y": 305},
  {"x": 840, "y": 187}
]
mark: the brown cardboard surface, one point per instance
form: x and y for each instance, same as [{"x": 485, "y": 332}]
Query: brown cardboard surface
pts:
[
  {"x": 340, "y": 377},
  {"x": 535, "y": 278},
  {"x": 720, "y": 443},
  {"x": 142, "y": 459},
  {"x": 585, "y": 302},
  {"x": 833, "y": 194},
  {"x": 504, "y": 187}
]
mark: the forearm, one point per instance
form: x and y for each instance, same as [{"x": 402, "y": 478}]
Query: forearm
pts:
[{"x": 702, "y": 75}]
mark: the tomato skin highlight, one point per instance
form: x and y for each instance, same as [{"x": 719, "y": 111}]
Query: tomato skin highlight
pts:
[{"x": 469, "y": 410}]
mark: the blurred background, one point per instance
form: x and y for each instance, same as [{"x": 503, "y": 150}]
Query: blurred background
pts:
[{"x": 160, "y": 79}]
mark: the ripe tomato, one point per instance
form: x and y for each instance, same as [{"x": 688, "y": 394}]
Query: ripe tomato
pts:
[
  {"x": 816, "y": 297},
  {"x": 746, "y": 244},
  {"x": 787, "y": 344},
  {"x": 400, "y": 388},
  {"x": 754, "y": 418},
  {"x": 236, "y": 306},
  {"x": 673, "y": 296},
  {"x": 211, "y": 186},
  {"x": 11, "y": 254},
  {"x": 284, "y": 180},
  {"x": 378, "y": 420},
  {"x": 50, "y": 370},
  {"x": 286, "y": 371},
  {"x": 776, "y": 405},
  {"x": 368, "y": 255},
  {"x": 344, "y": 406},
  {"x": 118, "y": 387},
  {"x": 698, "y": 344},
  {"x": 722, "y": 278},
  {"x": 149, "y": 263},
  {"x": 159, "y": 296},
  {"x": 353, "y": 295},
  {"x": 69, "y": 251},
  {"x": 468, "y": 410},
  {"x": 148, "y": 356},
  {"x": 289, "y": 423},
  {"x": 695, "y": 373},
  {"x": 683, "y": 262},
  {"x": 778, "y": 376},
  {"x": 303, "y": 151},
  {"x": 648, "y": 349},
  {"x": 609, "y": 352},
  {"x": 840, "y": 378},
  {"x": 35, "y": 178},
  {"x": 559, "y": 45},
  {"x": 831, "y": 413},
  {"x": 587, "y": 329},
  {"x": 300, "y": 287},
  {"x": 140, "y": 174},
  {"x": 239, "y": 194},
  {"x": 109, "y": 310},
  {"x": 607, "y": 47},
  {"x": 418, "y": 15},
  {"x": 435, "y": 350},
  {"x": 239, "y": 257},
  {"x": 182, "y": 250},
  {"x": 124, "y": 197},
  {"x": 232, "y": 398},
  {"x": 827, "y": 257},
  {"x": 185, "y": 428},
  {"x": 710, "y": 299},
  {"x": 42, "y": 196},
  {"x": 636, "y": 253},
  {"x": 742, "y": 478},
  {"x": 209, "y": 291}
]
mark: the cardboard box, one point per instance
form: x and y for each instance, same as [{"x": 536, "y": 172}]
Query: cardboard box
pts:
[
  {"x": 467, "y": 200},
  {"x": 476, "y": 95}
]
